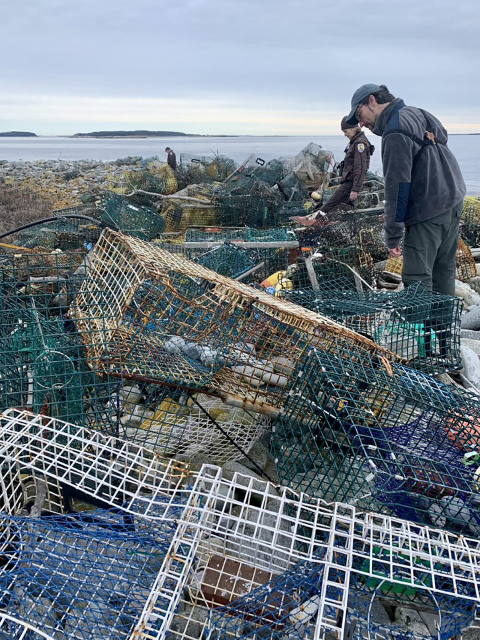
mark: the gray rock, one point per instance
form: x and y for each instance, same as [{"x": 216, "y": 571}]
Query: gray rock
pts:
[
  {"x": 230, "y": 468},
  {"x": 471, "y": 319},
  {"x": 471, "y": 365},
  {"x": 260, "y": 454},
  {"x": 411, "y": 620},
  {"x": 471, "y": 634},
  {"x": 474, "y": 345},
  {"x": 465, "y": 291},
  {"x": 189, "y": 622},
  {"x": 469, "y": 334}
]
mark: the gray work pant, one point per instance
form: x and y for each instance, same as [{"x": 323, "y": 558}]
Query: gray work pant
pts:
[{"x": 429, "y": 251}]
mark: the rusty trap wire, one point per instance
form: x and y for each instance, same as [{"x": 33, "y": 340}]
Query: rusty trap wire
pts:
[{"x": 152, "y": 316}]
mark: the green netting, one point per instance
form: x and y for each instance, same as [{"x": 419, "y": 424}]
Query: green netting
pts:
[
  {"x": 43, "y": 363},
  {"x": 245, "y": 234},
  {"x": 416, "y": 324},
  {"x": 136, "y": 220},
  {"x": 66, "y": 234},
  {"x": 254, "y": 204},
  {"x": 228, "y": 260},
  {"x": 382, "y": 436}
]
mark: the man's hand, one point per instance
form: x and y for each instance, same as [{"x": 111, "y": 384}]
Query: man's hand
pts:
[
  {"x": 395, "y": 253},
  {"x": 353, "y": 196}
]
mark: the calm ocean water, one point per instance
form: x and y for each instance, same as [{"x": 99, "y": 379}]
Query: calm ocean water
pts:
[{"x": 466, "y": 148}]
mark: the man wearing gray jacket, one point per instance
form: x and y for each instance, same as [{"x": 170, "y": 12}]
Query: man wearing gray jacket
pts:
[{"x": 424, "y": 188}]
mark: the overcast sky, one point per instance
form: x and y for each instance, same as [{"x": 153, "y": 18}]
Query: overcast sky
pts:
[{"x": 232, "y": 67}]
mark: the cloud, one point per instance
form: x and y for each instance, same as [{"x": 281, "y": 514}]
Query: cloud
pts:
[{"x": 265, "y": 65}]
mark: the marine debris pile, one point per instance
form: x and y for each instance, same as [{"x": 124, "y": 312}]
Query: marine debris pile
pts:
[{"x": 216, "y": 425}]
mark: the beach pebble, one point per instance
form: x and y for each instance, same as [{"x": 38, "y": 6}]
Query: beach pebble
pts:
[
  {"x": 437, "y": 516},
  {"x": 191, "y": 350},
  {"x": 474, "y": 345},
  {"x": 208, "y": 356},
  {"x": 248, "y": 373},
  {"x": 471, "y": 365},
  {"x": 275, "y": 379},
  {"x": 304, "y": 612},
  {"x": 283, "y": 365},
  {"x": 175, "y": 345},
  {"x": 455, "y": 510}
]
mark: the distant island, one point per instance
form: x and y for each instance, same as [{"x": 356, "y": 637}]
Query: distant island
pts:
[
  {"x": 141, "y": 133},
  {"x": 17, "y": 134}
]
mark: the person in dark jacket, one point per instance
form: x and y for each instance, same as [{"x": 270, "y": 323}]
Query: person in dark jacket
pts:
[
  {"x": 355, "y": 167},
  {"x": 424, "y": 187},
  {"x": 171, "y": 158}
]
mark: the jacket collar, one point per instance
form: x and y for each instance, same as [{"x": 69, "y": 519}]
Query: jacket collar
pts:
[
  {"x": 356, "y": 136},
  {"x": 387, "y": 113}
]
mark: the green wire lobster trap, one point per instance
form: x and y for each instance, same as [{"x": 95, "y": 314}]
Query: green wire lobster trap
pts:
[
  {"x": 154, "y": 317},
  {"x": 227, "y": 260},
  {"x": 421, "y": 327},
  {"x": 118, "y": 212},
  {"x": 361, "y": 430}
]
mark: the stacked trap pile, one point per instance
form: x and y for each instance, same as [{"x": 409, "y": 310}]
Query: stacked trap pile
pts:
[
  {"x": 139, "y": 221},
  {"x": 421, "y": 327},
  {"x": 239, "y": 557},
  {"x": 152, "y": 316},
  {"x": 43, "y": 367},
  {"x": 470, "y": 224},
  {"x": 205, "y": 169},
  {"x": 382, "y": 435}
]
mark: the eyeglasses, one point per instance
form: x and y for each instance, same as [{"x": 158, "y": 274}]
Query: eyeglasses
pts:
[{"x": 358, "y": 112}]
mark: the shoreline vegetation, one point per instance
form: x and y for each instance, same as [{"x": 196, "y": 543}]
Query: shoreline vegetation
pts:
[
  {"x": 144, "y": 134},
  {"x": 17, "y": 134}
]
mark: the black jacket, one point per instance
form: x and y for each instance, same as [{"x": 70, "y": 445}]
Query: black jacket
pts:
[
  {"x": 422, "y": 179},
  {"x": 172, "y": 160}
]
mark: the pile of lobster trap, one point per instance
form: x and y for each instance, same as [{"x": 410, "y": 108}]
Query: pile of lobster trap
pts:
[{"x": 174, "y": 346}]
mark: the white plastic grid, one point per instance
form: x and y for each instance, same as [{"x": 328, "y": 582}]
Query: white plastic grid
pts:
[
  {"x": 243, "y": 518},
  {"x": 11, "y": 627}
]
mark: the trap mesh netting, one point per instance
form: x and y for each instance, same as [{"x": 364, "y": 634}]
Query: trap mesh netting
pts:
[
  {"x": 85, "y": 575},
  {"x": 136, "y": 220},
  {"x": 227, "y": 260},
  {"x": 470, "y": 224},
  {"x": 419, "y": 326},
  {"x": 152, "y": 316},
  {"x": 43, "y": 367},
  {"x": 63, "y": 233},
  {"x": 345, "y": 227},
  {"x": 261, "y": 559},
  {"x": 368, "y": 432}
]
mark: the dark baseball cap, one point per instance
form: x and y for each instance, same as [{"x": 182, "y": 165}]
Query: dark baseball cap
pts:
[{"x": 360, "y": 94}]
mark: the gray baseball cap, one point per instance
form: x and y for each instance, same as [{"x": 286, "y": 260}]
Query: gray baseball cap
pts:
[{"x": 359, "y": 95}]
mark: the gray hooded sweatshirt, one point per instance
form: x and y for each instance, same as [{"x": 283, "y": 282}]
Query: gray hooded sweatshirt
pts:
[{"x": 422, "y": 181}]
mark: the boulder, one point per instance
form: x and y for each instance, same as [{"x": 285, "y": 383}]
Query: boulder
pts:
[
  {"x": 471, "y": 319},
  {"x": 471, "y": 365}
]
